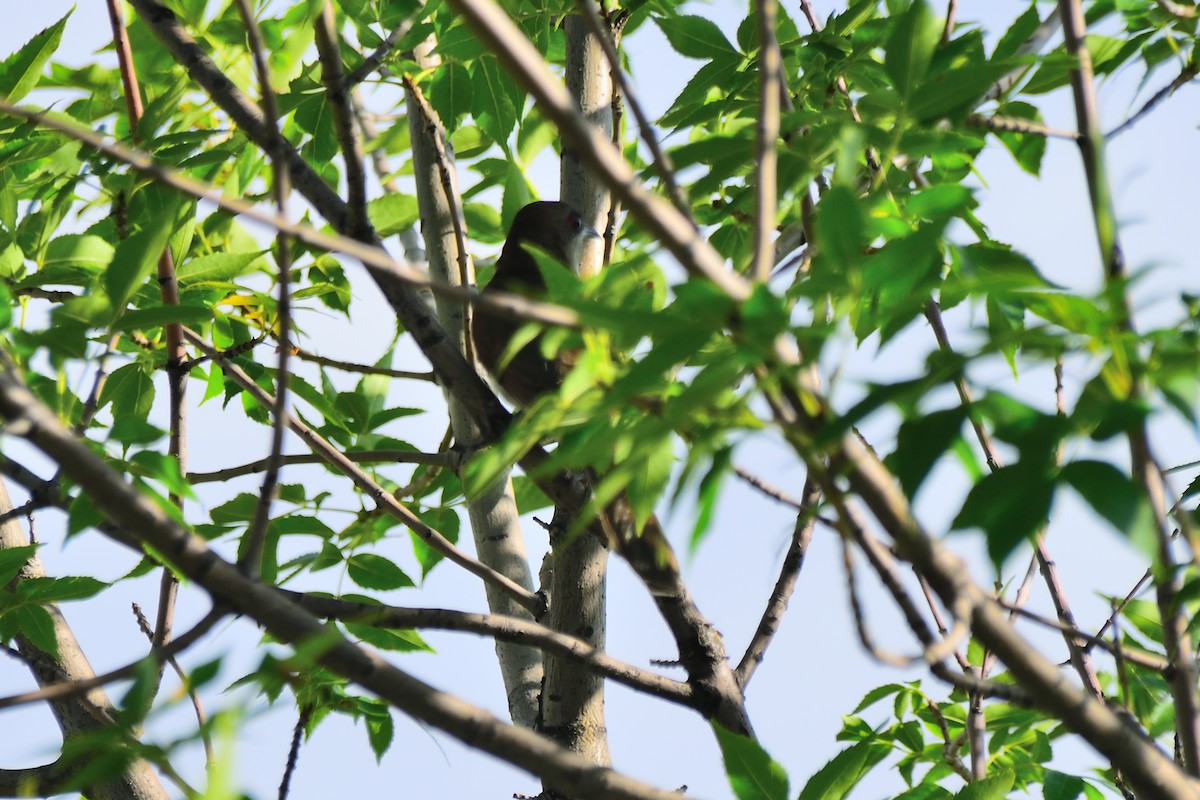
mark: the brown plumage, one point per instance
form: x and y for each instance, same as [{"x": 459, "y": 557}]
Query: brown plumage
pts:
[{"x": 557, "y": 229}]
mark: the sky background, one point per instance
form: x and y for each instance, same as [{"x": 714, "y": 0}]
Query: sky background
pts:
[{"x": 815, "y": 671}]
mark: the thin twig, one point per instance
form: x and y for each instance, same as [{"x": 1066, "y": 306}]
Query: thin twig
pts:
[
  {"x": 446, "y": 459},
  {"x": 256, "y": 534},
  {"x": 337, "y": 97},
  {"x": 951, "y": 14},
  {"x": 1146, "y": 472},
  {"x": 375, "y": 59},
  {"x": 1018, "y": 125},
  {"x": 362, "y": 369},
  {"x": 294, "y": 750},
  {"x": 337, "y": 459},
  {"x": 502, "y": 628},
  {"x": 448, "y": 176},
  {"x": 58, "y": 691},
  {"x": 507, "y": 305},
  {"x": 168, "y": 287},
  {"x": 197, "y": 706},
  {"x": 1185, "y": 76},
  {"x": 766, "y": 489},
  {"x": 785, "y": 584},
  {"x": 1147, "y": 660}
]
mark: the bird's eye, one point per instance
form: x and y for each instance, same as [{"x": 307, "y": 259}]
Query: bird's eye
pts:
[{"x": 574, "y": 222}]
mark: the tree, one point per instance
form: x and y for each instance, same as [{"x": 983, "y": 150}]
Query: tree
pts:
[{"x": 820, "y": 198}]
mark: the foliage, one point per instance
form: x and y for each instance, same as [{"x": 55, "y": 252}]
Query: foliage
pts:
[{"x": 675, "y": 378}]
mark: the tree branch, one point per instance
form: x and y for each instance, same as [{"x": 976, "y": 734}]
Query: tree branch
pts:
[
  {"x": 131, "y": 510},
  {"x": 383, "y": 499}
]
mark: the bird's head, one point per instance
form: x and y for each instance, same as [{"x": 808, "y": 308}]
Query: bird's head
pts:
[{"x": 553, "y": 226}]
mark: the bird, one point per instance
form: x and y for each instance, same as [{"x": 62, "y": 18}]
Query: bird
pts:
[{"x": 559, "y": 230}]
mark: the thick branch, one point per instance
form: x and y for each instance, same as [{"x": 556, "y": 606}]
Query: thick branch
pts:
[{"x": 191, "y": 555}]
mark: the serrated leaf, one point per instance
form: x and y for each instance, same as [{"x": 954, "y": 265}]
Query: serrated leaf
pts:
[
  {"x": 921, "y": 442},
  {"x": 12, "y": 559},
  {"x": 217, "y": 268},
  {"x": 450, "y": 93},
  {"x": 159, "y": 316},
  {"x": 752, "y": 773},
  {"x": 381, "y": 730},
  {"x": 80, "y": 250},
  {"x": 36, "y": 625},
  {"x": 490, "y": 102},
  {"x": 1059, "y": 786},
  {"x": 392, "y": 213},
  {"x": 993, "y": 787},
  {"x": 695, "y": 37},
  {"x": 60, "y": 590},
  {"x": 1018, "y": 33},
  {"x": 20, "y": 72},
  {"x": 910, "y": 47},
  {"x": 130, "y": 389},
  {"x": 835, "y": 780},
  {"x": 1009, "y": 505},
  {"x": 136, "y": 257},
  {"x": 372, "y": 571},
  {"x": 1114, "y": 496},
  {"x": 400, "y": 640}
]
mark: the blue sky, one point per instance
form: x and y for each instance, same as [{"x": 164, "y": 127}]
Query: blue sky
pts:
[{"x": 816, "y": 671}]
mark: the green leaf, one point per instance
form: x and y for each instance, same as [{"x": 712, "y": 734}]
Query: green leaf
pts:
[
  {"x": 159, "y": 316},
  {"x": 528, "y": 496},
  {"x": 372, "y": 571},
  {"x": 650, "y": 477},
  {"x": 240, "y": 509},
  {"x": 392, "y": 213},
  {"x": 1115, "y": 497},
  {"x": 695, "y": 37},
  {"x": 82, "y": 514},
  {"x": 12, "y": 559},
  {"x": 78, "y": 250},
  {"x": 20, "y": 72},
  {"x": 921, "y": 442},
  {"x": 131, "y": 391},
  {"x": 993, "y": 787},
  {"x": 451, "y": 94},
  {"x": 835, "y": 780},
  {"x": 397, "y": 640},
  {"x": 1018, "y": 33},
  {"x": 752, "y": 773},
  {"x": 1009, "y": 505},
  {"x": 1059, "y": 786},
  {"x": 60, "y": 590},
  {"x": 1027, "y": 148},
  {"x": 840, "y": 228},
  {"x": 910, "y": 47},
  {"x": 136, "y": 257},
  {"x": 36, "y": 625},
  {"x": 217, "y": 268},
  {"x": 490, "y": 103},
  {"x": 381, "y": 730}
]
